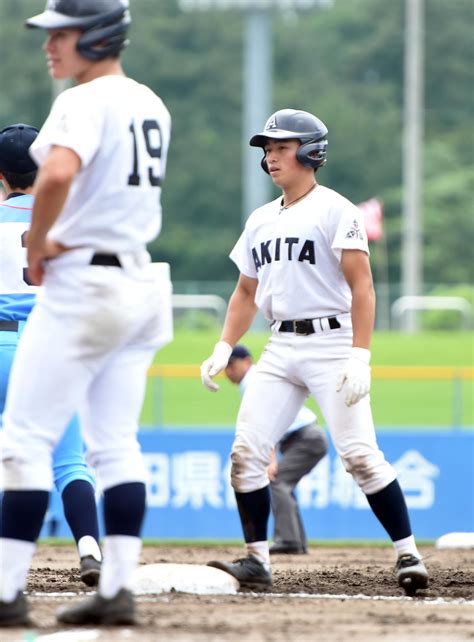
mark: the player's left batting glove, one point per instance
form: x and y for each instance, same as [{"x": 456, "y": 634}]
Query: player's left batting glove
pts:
[
  {"x": 355, "y": 375},
  {"x": 216, "y": 362}
]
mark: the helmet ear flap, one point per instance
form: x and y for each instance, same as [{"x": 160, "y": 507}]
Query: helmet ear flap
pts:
[
  {"x": 264, "y": 166},
  {"x": 90, "y": 44},
  {"x": 312, "y": 154}
]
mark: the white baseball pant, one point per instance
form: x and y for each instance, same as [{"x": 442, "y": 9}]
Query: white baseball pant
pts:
[
  {"x": 290, "y": 367},
  {"x": 86, "y": 347}
]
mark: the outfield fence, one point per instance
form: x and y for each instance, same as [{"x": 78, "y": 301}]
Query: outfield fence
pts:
[{"x": 450, "y": 386}]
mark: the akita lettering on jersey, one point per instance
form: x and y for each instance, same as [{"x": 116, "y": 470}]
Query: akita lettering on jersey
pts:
[{"x": 272, "y": 251}]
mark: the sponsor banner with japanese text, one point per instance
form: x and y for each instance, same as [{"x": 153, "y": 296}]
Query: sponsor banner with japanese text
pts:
[{"x": 189, "y": 494}]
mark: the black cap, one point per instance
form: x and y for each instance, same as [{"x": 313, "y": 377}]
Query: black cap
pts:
[
  {"x": 15, "y": 142},
  {"x": 239, "y": 352}
]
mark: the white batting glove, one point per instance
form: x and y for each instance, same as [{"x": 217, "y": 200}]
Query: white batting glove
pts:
[
  {"x": 356, "y": 376},
  {"x": 216, "y": 362}
]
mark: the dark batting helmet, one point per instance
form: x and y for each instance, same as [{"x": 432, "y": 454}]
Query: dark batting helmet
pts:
[
  {"x": 15, "y": 142},
  {"x": 293, "y": 123},
  {"x": 104, "y": 24}
]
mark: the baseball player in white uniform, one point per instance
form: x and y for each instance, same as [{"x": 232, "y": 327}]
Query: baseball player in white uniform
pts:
[
  {"x": 92, "y": 334},
  {"x": 304, "y": 262}
]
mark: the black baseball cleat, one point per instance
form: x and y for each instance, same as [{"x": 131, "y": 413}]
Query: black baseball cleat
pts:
[
  {"x": 288, "y": 548},
  {"x": 100, "y": 610},
  {"x": 411, "y": 574},
  {"x": 249, "y": 572},
  {"x": 14, "y": 613},
  {"x": 90, "y": 570}
]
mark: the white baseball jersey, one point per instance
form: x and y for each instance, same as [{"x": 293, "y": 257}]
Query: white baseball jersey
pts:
[
  {"x": 295, "y": 254},
  {"x": 113, "y": 204}
]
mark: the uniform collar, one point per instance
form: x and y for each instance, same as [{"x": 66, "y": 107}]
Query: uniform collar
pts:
[{"x": 15, "y": 194}]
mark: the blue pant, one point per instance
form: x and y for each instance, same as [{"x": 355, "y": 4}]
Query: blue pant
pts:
[{"x": 68, "y": 457}]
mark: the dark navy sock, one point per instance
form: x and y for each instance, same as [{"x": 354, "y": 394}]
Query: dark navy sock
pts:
[
  {"x": 80, "y": 509},
  {"x": 23, "y": 513},
  {"x": 390, "y": 508},
  {"x": 254, "y": 511},
  {"x": 124, "y": 509}
]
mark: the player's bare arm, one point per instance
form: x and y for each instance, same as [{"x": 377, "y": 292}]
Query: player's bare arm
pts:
[
  {"x": 240, "y": 314},
  {"x": 241, "y": 310},
  {"x": 355, "y": 375},
  {"x": 356, "y": 267},
  {"x": 51, "y": 190}
]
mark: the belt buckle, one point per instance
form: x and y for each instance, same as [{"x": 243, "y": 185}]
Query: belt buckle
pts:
[{"x": 301, "y": 327}]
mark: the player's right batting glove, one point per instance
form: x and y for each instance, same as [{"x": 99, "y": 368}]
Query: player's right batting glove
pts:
[
  {"x": 215, "y": 364},
  {"x": 355, "y": 375}
]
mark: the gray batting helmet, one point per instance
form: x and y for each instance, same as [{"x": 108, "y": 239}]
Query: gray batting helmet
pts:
[
  {"x": 292, "y": 123},
  {"x": 104, "y": 24}
]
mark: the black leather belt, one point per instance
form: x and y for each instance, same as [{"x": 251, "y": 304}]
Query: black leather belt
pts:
[
  {"x": 305, "y": 326},
  {"x": 112, "y": 260},
  {"x": 8, "y": 326}
]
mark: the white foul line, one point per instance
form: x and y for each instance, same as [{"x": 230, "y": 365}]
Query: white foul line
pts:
[{"x": 434, "y": 601}]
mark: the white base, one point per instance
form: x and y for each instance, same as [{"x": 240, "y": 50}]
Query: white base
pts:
[
  {"x": 185, "y": 578},
  {"x": 455, "y": 540}
]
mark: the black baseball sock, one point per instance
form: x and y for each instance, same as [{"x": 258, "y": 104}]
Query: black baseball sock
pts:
[
  {"x": 254, "y": 511},
  {"x": 23, "y": 513},
  {"x": 124, "y": 509},
  {"x": 390, "y": 508},
  {"x": 80, "y": 509}
]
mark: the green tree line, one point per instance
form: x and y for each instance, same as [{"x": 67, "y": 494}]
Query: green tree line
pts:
[{"x": 344, "y": 63}]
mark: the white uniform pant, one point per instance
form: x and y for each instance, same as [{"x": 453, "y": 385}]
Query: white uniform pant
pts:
[
  {"x": 86, "y": 348},
  {"x": 291, "y": 367}
]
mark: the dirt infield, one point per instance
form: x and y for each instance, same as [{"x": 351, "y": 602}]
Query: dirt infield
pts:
[{"x": 342, "y": 594}]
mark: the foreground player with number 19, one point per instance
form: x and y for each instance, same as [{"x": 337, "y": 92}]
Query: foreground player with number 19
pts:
[{"x": 93, "y": 332}]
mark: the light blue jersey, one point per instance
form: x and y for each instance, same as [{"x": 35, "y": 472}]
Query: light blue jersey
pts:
[{"x": 17, "y": 298}]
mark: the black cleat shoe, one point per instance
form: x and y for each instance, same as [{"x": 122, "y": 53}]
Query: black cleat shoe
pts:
[
  {"x": 288, "y": 548},
  {"x": 99, "y": 610},
  {"x": 90, "y": 570},
  {"x": 14, "y": 613},
  {"x": 411, "y": 574},
  {"x": 249, "y": 572}
]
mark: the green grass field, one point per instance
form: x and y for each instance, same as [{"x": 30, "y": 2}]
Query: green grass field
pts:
[{"x": 176, "y": 401}]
